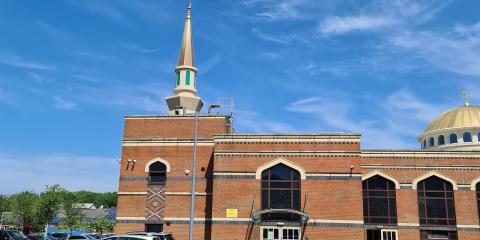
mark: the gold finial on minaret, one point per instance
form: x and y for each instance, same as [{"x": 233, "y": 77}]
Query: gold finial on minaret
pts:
[
  {"x": 189, "y": 8},
  {"x": 185, "y": 93},
  {"x": 465, "y": 96}
]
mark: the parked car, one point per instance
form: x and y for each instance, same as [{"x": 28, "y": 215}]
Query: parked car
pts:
[
  {"x": 59, "y": 236},
  {"x": 81, "y": 237},
  {"x": 161, "y": 235},
  {"x": 12, "y": 235},
  {"x": 131, "y": 237},
  {"x": 39, "y": 236}
]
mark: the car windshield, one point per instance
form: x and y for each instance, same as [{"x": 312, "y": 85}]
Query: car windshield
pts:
[{"x": 16, "y": 235}]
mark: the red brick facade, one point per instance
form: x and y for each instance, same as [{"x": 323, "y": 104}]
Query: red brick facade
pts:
[{"x": 229, "y": 167}]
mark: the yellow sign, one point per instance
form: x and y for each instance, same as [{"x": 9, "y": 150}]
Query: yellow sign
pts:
[{"x": 232, "y": 213}]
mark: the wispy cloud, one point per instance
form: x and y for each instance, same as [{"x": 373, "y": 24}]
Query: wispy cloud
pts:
[
  {"x": 137, "y": 48},
  {"x": 398, "y": 119},
  {"x": 147, "y": 97},
  {"x": 94, "y": 56},
  {"x": 281, "y": 39},
  {"x": 279, "y": 10},
  {"x": 254, "y": 122},
  {"x": 269, "y": 55},
  {"x": 102, "y": 8},
  {"x": 210, "y": 63},
  {"x": 342, "y": 25},
  {"x": 63, "y": 104},
  {"x": 121, "y": 11},
  {"x": 17, "y": 61},
  {"x": 97, "y": 173},
  {"x": 457, "y": 52}
]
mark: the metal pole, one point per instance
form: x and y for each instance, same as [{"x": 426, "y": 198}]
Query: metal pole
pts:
[
  {"x": 194, "y": 167},
  {"x": 46, "y": 231},
  {"x": 1, "y": 221}
]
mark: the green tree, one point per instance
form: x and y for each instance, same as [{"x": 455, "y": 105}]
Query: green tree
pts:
[
  {"x": 11, "y": 219},
  {"x": 102, "y": 225},
  {"x": 5, "y": 204},
  {"x": 48, "y": 204},
  {"x": 23, "y": 205},
  {"x": 107, "y": 200},
  {"x": 71, "y": 215}
]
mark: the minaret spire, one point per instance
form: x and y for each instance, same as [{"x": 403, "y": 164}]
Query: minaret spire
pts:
[
  {"x": 185, "y": 99},
  {"x": 186, "y": 50}
]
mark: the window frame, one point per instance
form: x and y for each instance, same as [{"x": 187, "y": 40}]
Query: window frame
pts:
[
  {"x": 295, "y": 189},
  {"x": 469, "y": 136},
  {"x": 477, "y": 190},
  {"x": 423, "y": 199},
  {"x": 161, "y": 172},
  {"x": 450, "y": 138},
  {"x": 441, "y": 140},
  {"x": 371, "y": 195}
]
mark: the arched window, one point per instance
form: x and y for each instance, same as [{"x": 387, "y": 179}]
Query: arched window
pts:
[
  {"x": 441, "y": 140},
  {"x": 478, "y": 137},
  {"x": 478, "y": 197},
  {"x": 431, "y": 142},
  {"x": 435, "y": 202},
  {"x": 453, "y": 138},
  {"x": 379, "y": 201},
  {"x": 157, "y": 173},
  {"x": 467, "y": 137},
  {"x": 280, "y": 190},
  {"x": 424, "y": 143}
]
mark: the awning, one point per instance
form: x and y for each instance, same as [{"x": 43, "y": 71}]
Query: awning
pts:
[{"x": 257, "y": 216}]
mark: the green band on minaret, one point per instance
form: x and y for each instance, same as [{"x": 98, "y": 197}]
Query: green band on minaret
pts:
[
  {"x": 178, "y": 78},
  {"x": 187, "y": 79}
]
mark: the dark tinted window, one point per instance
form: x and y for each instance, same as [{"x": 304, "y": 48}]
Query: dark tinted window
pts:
[
  {"x": 441, "y": 140},
  {"x": 77, "y": 237},
  {"x": 379, "y": 201},
  {"x": 453, "y": 138},
  {"x": 157, "y": 173},
  {"x": 16, "y": 235},
  {"x": 478, "y": 197},
  {"x": 467, "y": 137},
  {"x": 435, "y": 202},
  {"x": 431, "y": 142},
  {"x": 280, "y": 190},
  {"x": 110, "y": 238}
]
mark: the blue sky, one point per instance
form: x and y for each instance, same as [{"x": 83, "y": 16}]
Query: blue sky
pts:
[{"x": 70, "y": 71}]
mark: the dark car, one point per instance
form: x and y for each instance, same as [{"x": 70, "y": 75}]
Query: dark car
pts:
[
  {"x": 12, "y": 235},
  {"x": 40, "y": 237}
]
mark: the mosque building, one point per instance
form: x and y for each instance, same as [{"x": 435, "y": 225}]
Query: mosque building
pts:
[{"x": 276, "y": 186}]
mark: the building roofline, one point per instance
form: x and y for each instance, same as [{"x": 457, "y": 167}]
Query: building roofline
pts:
[
  {"x": 288, "y": 135},
  {"x": 141, "y": 117},
  {"x": 419, "y": 153}
]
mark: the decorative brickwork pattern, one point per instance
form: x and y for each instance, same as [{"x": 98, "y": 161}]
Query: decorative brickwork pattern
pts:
[{"x": 155, "y": 206}]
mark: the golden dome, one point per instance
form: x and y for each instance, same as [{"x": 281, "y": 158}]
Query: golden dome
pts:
[{"x": 461, "y": 117}]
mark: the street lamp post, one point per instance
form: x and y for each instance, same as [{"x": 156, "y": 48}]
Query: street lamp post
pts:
[{"x": 194, "y": 167}]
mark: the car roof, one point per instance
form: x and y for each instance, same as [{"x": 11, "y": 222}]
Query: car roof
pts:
[
  {"x": 133, "y": 235},
  {"x": 148, "y": 233}
]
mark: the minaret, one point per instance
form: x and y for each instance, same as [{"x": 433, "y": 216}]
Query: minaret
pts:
[{"x": 185, "y": 99}]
